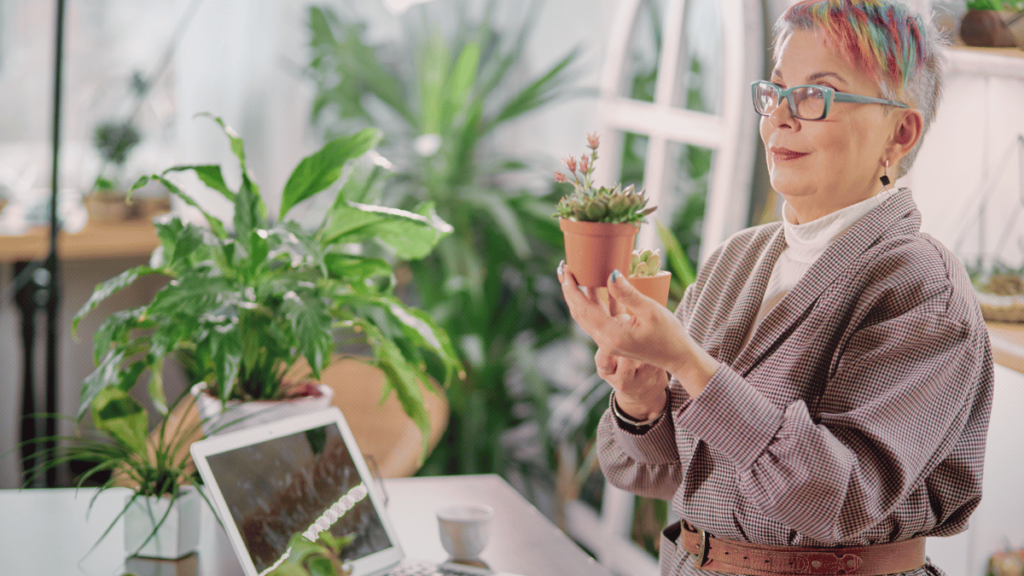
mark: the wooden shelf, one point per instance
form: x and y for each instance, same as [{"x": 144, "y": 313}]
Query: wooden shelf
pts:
[
  {"x": 971, "y": 60},
  {"x": 130, "y": 238},
  {"x": 1007, "y": 344}
]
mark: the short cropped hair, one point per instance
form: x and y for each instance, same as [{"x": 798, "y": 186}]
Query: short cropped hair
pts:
[{"x": 884, "y": 39}]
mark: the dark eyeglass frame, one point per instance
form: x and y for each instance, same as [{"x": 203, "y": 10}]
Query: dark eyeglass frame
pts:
[{"x": 829, "y": 94}]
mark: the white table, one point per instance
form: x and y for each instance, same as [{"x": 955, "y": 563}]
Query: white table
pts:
[{"x": 45, "y": 532}]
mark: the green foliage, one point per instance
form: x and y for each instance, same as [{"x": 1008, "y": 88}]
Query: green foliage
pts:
[
  {"x": 995, "y": 4},
  {"x": 320, "y": 558},
  {"x": 246, "y": 306},
  {"x": 439, "y": 92},
  {"x": 119, "y": 449}
]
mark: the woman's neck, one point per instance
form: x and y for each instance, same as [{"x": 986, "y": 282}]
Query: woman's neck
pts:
[{"x": 804, "y": 209}]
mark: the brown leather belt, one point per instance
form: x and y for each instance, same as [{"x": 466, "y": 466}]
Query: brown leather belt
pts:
[{"x": 732, "y": 557}]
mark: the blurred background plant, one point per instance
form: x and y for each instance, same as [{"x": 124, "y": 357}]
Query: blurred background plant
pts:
[{"x": 440, "y": 92}]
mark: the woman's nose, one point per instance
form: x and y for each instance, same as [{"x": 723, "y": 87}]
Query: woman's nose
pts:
[{"x": 782, "y": 116}]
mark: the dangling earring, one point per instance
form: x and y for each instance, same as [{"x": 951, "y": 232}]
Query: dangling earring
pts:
[{"x": 885, "y": 176}]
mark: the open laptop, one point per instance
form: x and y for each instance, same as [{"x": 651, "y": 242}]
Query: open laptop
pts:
[{"x": 304, "y": 474}]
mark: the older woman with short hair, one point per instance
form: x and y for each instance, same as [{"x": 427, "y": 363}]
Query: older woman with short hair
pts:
[{"x": 819, "y": 401}]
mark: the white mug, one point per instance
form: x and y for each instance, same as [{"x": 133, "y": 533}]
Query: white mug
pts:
[{"x": 465, "y": 529}]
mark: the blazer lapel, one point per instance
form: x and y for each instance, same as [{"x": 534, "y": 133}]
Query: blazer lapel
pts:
[
  {"x": 826, "y": 270},
  {"x": 748, "y": 303}
]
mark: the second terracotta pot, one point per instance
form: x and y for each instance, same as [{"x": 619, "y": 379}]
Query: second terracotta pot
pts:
[
  {"x": 594, "y": 249},
  {"x": 654, "y": 287}
]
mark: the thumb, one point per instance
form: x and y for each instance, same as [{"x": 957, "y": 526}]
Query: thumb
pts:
[{"x": 623, "y": 292}]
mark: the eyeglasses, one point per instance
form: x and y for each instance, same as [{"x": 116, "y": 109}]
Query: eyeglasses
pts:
[{"x": 806, "y": 102}]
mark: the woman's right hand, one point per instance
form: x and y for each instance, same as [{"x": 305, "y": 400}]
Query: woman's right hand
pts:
[{"x": 640, "y": 389}]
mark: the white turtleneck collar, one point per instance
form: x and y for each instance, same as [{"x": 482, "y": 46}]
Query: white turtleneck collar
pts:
[{"x": 806, "y": 242}]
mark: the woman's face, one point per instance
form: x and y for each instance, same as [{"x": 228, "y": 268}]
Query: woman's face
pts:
[{"x": 824, "y": 165}]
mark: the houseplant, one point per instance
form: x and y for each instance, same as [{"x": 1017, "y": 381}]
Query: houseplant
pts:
[
  {"x": 244, "y": 307},
  {"x": 162, "y": 512},
  {"x": 993, "y": 23},
  {"x": 646, "y": 275},
  {"x": 114, "y": 140},
  {"x": 599, "y": 223},
  {"x": 443, "y": 90}
]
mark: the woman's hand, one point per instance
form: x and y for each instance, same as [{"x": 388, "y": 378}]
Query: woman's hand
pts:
[
  {"x": 648, "y": 333},
  {"x": 639, "y": 388}
]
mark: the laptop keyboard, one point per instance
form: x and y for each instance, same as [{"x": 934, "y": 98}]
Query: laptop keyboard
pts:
[{"x": 412, "y": 568}]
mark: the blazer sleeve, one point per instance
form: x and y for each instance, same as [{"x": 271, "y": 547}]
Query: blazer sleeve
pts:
[{"x": 905, "y": 392}]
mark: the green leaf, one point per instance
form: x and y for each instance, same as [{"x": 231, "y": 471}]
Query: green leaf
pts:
[
  {"x": 356, "y": 269},
  {"x": 505, "y": 218},
  {"x": 311, "y": 321},
  {"x": 250, "y": 213},
  {"x": 319, "y": 170},
  {"x": 115, "y": 331},
  {"x": 215, "y": 224},
  {"x": 537, "y": 93},
  {"x": 226, "y": 350},
  {"x": 460, "y": 86},
  {"x": 209, "y": 174},
  {"x": 403, "y": 379},
  {"x": 412, "y": 235},
  {"x": 105, "y": 289},
  {"x": 676, "y": 255},
  {"x": 320, "y": 566},
  {"x": 117, "y": 414},
  {"x": 237, "y": 145}
]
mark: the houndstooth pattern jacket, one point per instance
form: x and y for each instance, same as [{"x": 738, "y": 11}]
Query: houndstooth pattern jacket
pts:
[{"x": 856, "y": 414}]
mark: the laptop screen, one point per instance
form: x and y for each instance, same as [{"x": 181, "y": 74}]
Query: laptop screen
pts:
[{"x": 303, "y": 482}]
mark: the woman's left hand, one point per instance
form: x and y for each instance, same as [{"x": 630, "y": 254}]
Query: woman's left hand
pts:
[{"x": 649, "y": 332}]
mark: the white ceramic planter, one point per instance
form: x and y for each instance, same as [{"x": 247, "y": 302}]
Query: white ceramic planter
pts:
[
  {"x": 238, "y": 415},
  {"x": 178, "y": 535}
]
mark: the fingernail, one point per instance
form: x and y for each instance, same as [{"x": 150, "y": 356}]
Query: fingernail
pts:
[
  {"x": 561, "y": 267},
  {"x": 615, "y": 275}
]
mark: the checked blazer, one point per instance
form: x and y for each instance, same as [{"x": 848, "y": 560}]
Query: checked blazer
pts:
[{"x": 857, "y": 412}]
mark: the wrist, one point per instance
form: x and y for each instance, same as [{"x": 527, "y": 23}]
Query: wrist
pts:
[{"x": 640, "y": 408}]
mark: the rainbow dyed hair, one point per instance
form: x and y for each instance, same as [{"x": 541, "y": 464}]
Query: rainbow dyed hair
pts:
[{"x": 882, "y": 38}]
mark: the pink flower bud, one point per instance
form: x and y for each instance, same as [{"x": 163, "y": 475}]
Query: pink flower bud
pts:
[
  {"x": 559, "y": 177},
  {"x": 583, "y": 164},
  {"x": 593, "y": 141},
  {"x": 570, "y": 163}
]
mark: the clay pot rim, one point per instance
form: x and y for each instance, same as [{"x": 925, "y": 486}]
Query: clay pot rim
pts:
[{"x": 660, "y": 274}]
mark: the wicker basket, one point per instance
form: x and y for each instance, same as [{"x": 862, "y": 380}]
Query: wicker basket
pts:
[{"x": 997, "y": 308}]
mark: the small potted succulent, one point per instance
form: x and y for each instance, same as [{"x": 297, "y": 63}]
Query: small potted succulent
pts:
[
  {"x": 646, "y": 275},
  {"x": 599, "y": 224},
  {"x": 115, "y": 141}
]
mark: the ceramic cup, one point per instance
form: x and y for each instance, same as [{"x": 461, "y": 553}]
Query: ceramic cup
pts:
[{"x": 464, "y": 529}]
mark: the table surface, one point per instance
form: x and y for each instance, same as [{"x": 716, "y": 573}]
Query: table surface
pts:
[
  {"x": 46, "y": 532},
  {"x": 130, "y": 238}
]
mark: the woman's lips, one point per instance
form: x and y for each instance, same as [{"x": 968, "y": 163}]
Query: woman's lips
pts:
[{"x": 784, "y": 154}]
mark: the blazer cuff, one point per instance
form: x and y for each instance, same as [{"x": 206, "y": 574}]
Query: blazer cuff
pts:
[
  {"x": 655, "y": 446},
  {"x": 733, "y": 418}
]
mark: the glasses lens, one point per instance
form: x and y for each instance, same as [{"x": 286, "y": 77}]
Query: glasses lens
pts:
[
  {"x": 766, "y": 98},
  {"x": 809, "y": 102}
]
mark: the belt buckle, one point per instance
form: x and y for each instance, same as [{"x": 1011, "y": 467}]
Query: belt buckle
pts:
[{"x": 702, "y": 550}]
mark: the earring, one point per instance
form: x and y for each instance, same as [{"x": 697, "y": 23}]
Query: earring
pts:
[{"x": 885, "y": 176}]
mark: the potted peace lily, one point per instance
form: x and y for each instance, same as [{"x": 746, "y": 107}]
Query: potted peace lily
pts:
[
  {"x": 162, "y": 512},
  {"x": 993, "y": 23},
  {"x": 599, "y": 224},
  {"x": 244, "y": 307}
]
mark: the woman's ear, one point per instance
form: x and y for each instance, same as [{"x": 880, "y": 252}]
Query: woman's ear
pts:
[{"x": 906, "y": 134}]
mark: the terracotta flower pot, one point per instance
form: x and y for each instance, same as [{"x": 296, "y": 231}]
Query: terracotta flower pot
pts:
[
  {"x": 654, "y": 287},
  {"x": 594, "y": 249},
  {"x": 986, "y": 28}
]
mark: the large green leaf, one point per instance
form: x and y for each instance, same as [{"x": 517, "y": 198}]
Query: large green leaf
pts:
[
  {"x": 105, "y": 289},
  {"x": 109, "y": 373},
  {"x": 412, "y": 235},
  {"x": 215, "y": 224},
  {"x": 225, "y": 344},
  {"x": 319, "y": 170},
  {"x": 115, "y": 330},
  {"x": 356, "y": 269},
  {"x": 209, "y": 174},
  {"x": 311, "y": 321},
  {"x": 117, "y": 414},
  {"x": 537, "y": 93}
]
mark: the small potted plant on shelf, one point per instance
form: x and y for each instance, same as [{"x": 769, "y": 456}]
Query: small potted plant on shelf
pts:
[
  {"x": 243, "y": 307},
  {"x": 993, "y": 24},
  {"x": 646, "y": 275},
  {"x": 599, "y": 224},
  {"x": 108, "y": 200},
  {"x": 162, "y": 512}
]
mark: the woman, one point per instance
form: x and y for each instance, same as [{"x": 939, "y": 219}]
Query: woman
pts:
[{"x": 820, "y": 399}]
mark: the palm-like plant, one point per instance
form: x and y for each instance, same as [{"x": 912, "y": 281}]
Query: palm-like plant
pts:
[{"x": 440, "y": 98}]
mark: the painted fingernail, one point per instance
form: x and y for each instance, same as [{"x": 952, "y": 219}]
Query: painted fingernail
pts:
[
  {"x": 615, "y": 275},
  {"x": 561, "y": 267}
]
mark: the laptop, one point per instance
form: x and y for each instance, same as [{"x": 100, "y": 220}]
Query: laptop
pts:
[{"x": 304, "y": 474}]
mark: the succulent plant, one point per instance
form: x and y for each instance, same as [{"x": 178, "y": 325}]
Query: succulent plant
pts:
[
  {"x": 645, "y": 263},
  {"x": 586, "y": 203}
]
